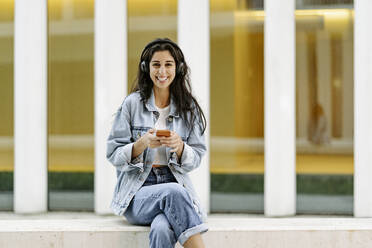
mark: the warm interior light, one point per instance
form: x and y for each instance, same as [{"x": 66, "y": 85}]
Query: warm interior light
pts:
[
  {"x": 329, "y": 13},
  {"x": 250, "y": 13},
  {"x": 333, "y": 19}
]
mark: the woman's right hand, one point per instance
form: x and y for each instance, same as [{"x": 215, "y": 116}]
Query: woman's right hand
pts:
[
  {"x": 147, "y": 140},
  {"x": 150, "y": 139}
]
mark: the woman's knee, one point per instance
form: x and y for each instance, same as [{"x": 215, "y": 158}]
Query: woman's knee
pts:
[{"x": 175, "y": 190}]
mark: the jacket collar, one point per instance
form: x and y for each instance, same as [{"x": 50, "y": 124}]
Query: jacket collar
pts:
[{"x": 150, "y": 105}]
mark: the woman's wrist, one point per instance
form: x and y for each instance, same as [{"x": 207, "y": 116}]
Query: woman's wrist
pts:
[
  {"x": 180, "y": 150},
  {"x": 138, "y": 147}
]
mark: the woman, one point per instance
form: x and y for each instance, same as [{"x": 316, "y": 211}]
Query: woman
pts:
[{"x": 153, "y": 187}]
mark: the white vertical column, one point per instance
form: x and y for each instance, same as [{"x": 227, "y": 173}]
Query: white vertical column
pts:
[
  {"x": 110, "y": 86},
  {"x": 362, "y": 108},
  {"x": 280, "y": 151},
  {"x": 30, "y": 103},
  {"x": 193, "y": 38}
]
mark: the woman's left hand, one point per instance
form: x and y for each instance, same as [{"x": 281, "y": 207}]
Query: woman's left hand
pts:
[{"x": 173, "y": 141}]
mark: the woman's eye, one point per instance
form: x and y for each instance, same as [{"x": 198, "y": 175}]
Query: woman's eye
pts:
[{"x": 156, "y": 65}]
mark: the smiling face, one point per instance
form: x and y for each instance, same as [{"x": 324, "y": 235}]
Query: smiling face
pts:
[{"x": 162, "y": 69}]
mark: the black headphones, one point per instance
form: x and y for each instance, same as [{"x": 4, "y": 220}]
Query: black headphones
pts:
[{"x": 180, "y": 67}]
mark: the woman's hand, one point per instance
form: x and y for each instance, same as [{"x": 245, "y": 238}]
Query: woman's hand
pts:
[
  {"x": 147, "y": 140},
  {"x": 150, "y": 139},
  {"x": 173, "y": 141}
]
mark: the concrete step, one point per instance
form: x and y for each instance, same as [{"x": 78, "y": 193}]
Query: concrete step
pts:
[{"x": 70, "y": 230}]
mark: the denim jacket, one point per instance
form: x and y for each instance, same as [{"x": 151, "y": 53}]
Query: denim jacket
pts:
[{"x": 134, "y": 119}]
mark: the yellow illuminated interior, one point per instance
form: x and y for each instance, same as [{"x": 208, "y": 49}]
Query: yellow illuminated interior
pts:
[
  {"x": 237, "y": 80},
  {"x": 6, "y": 11},
  {"x": 148, "y": 20},
  {"x": 6, "y": 85}
]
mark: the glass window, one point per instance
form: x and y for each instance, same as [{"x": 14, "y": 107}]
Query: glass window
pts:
[
  {"x": 6, "y": 104},
  {"x": 71, "y": 84},
  {"x": 148, "y": 20},
  {"x": 314, "y": 4},
  {"x": 70, "y": 104},
  {"x": 324, "y": 109},
  {"x": 237, "y": 106},
  {"x": 324, "y": 71}
]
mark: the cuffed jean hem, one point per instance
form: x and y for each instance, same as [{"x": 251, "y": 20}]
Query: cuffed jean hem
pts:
[{"x": 192, "y": 231}]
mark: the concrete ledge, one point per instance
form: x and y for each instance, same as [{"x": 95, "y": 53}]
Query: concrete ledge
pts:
[{"x": 71, "y": 230}]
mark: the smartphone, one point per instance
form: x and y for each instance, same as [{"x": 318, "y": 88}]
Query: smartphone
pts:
[{"x": 162, "y": 133}]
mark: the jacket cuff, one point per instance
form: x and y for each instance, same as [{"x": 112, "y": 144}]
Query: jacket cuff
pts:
[
  {"x": 126, "y": 154},
  {"x": 186, "y": 158},
  {"x": 187, "y": 154}
]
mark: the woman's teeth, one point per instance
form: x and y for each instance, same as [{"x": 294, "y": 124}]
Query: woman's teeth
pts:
[{"x": 162, "y": 78}]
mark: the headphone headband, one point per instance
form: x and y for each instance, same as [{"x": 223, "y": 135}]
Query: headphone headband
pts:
[{"x": 144, "y": 67}]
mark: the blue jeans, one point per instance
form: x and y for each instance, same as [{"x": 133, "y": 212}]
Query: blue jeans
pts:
[{"x": 167, "y": 207}]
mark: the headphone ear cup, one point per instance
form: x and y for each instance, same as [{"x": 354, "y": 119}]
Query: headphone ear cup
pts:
[
  {"x": 181, "y": 68},
  {"x": 143, "y": 66}
]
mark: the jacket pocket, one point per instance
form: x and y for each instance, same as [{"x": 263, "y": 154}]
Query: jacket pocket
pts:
[{"x": 138, "y": 132}]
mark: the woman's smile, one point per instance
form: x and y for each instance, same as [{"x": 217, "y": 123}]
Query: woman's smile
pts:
[
  {"x": 162, "y": 79},
  {"x": 162, "y": 69}
]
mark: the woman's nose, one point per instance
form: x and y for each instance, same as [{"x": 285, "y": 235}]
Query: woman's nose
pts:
[{"x": 162, "y": 69}]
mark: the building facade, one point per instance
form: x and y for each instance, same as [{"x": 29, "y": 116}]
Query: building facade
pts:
[{"x": 286, "y": 87}]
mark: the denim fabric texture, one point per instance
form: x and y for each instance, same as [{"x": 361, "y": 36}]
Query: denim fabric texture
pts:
[
  {"x": 167, "y": 207},
  {"x": 159, "y": 175},
  {"x": 133, "y": 119}
]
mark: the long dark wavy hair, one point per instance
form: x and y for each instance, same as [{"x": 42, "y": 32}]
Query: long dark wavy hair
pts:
[{"x": 180, "y": 89}]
